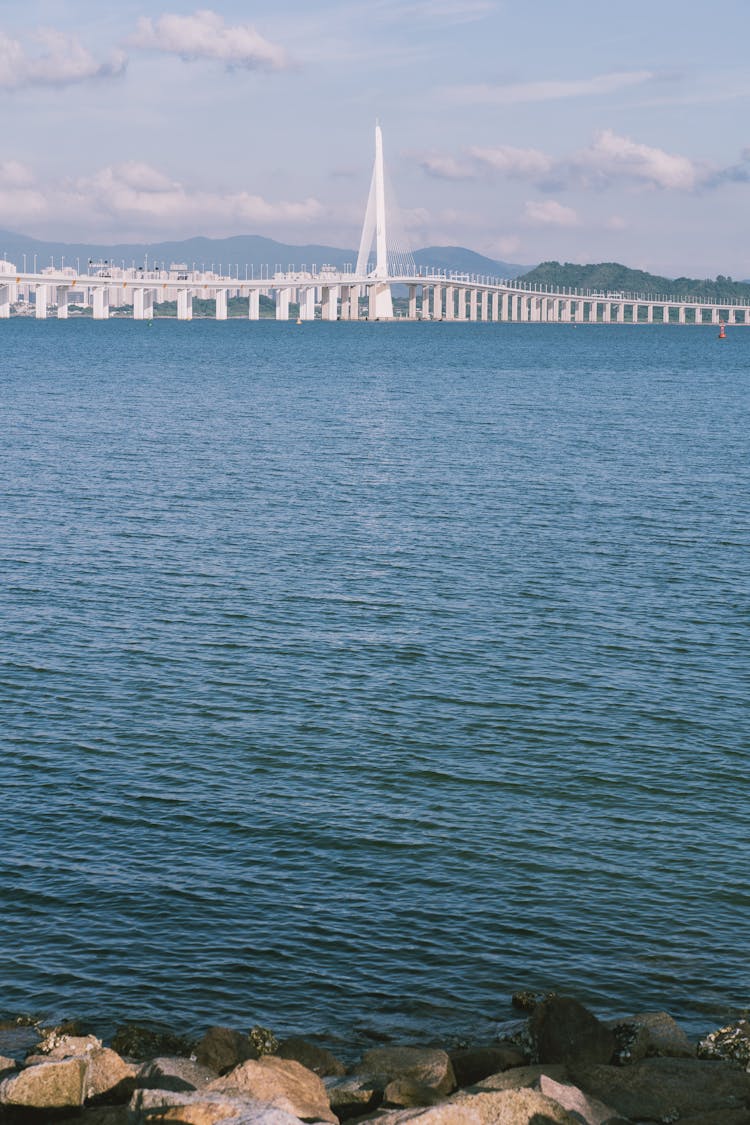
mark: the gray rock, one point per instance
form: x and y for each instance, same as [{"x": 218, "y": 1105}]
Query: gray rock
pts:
[
  {"x": 406, "y": 1093},
  {"x": 57, "y": 1045},
  {"x": 659, "y": 1089},
  {"x": 590, "y": 1110},
  {"x": 492, "y": 1107},
  {"x": 731, "y": 1042},
  {"x": 175, "y": 1073},
  {"x": 282, "y": 1083},
  {"x": 50, "y": 1085},
  {"x": 7, "y": 1065},
  {"x": 205, "y": 1108},
  {"x": 564, "y": 1031},
  {"x": 108, "y": 1077},
  {"x": 315, "y": 1058},
  {"x": 475, "y": 1063},
  {"x": 223, "y": 1048},
  {"x": 519, "y": 1077},
  {"x": 649, "y": 1033},
  {"x": 428, "y": 1065},
  {"x": 354, "y": 1095}
]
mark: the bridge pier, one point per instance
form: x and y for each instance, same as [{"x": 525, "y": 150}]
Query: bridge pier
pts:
[
  {"x": 253, "y": 304},
  {"x": 283, "y": 300},
  {"x": 63, "y": 293},
  {"x": 40, "y": 302},
  {"x": 4, "y": 302},
  {"x": 101, "y": 303},
  {"x": 307, "y": 303},
  {"x": 731, "y": 317},
  {"x": 473, "y": 303},
  {"x": 221, "y": 304},
  {"x": 450, "y": 303},
  {"x": 184, "y": 304},
  {"x": 412, "y": 302},
  {"x": 495, "y": 300}
]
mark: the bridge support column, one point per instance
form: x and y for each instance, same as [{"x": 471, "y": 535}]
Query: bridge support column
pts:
[
  {"x": 437, "y": 302},
  {"x": 620, "y": 312},
  {"x": 649, "y": 314},
  {"x": 4, "y": 302},
  {"x": 62, "y": 302},
  {"x": 714, "y": 316},
  {"x": 307, "y": 303},
  {"x": 101, "y": 303},
  {"x": 450, "y": 303},
  {"x": 681, "y": 314},
  {"x": 329, "y": 304},
  {"x": 731, "y": 317},
  {"x": 473, "y": 302},
  {"x": 486, "y": 305},
  {"x": 495, "y": 300},
  {"x": 221, "y": 304},
  {"x": 139, "y": 304},
  {"x": 253, "y": 305},
  {"x": 607, "y": 313},
  {"x": 184, "y": 304},
  {"x": 699, "y": 315},
  {"x": 412, "y": 302},
  {"x": 425, "y": 309},
  {"x": 40, "y": 303},
  {"x": 283, "y": 300}
]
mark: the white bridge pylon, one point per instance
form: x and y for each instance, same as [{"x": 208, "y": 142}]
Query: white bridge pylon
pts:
[{"x": 374, "y": 227}]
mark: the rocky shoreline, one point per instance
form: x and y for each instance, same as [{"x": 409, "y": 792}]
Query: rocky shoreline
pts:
[{"x": 559, "y": 1065}]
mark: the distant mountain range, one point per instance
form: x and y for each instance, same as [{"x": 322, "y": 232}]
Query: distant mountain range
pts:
[{"x": 241, "y": 250}]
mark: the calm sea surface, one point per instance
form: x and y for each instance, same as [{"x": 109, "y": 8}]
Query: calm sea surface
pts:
[{"x": 354, "y": 676}]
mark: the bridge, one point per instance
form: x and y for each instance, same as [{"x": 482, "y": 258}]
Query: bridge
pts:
[{"x": 364, "y": 291}]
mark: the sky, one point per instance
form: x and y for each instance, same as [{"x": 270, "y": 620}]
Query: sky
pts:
[{"x": 579, "y": 132}]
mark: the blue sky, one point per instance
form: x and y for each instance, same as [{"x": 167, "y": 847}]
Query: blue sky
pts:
[{"x": 577, "y": 131}]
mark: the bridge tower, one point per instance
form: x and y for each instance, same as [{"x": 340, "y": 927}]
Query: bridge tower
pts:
[{"x": 374, "y": 228}]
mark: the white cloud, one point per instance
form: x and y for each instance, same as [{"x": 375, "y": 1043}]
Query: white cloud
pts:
[
  {"x": 518, "y": 162},
  {"x": 549, "y": 90},
  {"x": 613, "y": 158},
  {"x": 549, "y": 214},
  {"x": 205, "y": 35},
  {"x": 62, "y": 61},
  {"x": 445, "y": 167},
  {"x": 139, "y": 199},
  {"x": 13, "y": 174}
]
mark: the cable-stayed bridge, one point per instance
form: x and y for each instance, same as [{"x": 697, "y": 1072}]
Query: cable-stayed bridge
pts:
[{"x": 364, "y": 292}]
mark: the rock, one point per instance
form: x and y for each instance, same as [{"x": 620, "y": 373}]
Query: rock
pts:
[
  {"x": 6, "y": 1065},
  {"x": 106, "y": 1115},
  {"x": 518, "y": 1077},
  {"x": 526, "y": 1001},
  {"x": 353, "y": 1096},
  {"x": 61, "y": 1046},
  {"x": 407, "y": 1093},
  {"x": 223, "y": 1048},
  {"x": 475, "y": 1063},
  {"x": 590, "y": 1110},
  {"x": 175, "y": 1073},
  {"x": 565, "y": 1032},
  {"x": 140, "y": 1042},
  {"x": 428, "y": 1065},
  {"x": 501, "y": 1107},
  {"x": 264, "y": 1041},
  {"x": 108, "y": 1077},
  {"x": 650, "y": 1033},
  {"x": 658, "y": 1089},
  {"x": 282, "y": 1083},
  {"x": 730, "y": 1042},
  {"x": 50, "y": 1085},
  {"x": 204, "y": 1108},
  {"x": 315, "y": 1058}
]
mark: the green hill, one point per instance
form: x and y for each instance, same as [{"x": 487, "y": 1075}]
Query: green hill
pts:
[{"x": 612, "y": 277}]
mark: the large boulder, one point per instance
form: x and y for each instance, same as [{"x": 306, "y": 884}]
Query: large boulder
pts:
[
  {"x": 589, "y": 1109},
  {"x": 564, "y": 1031},
  {"x": 658, "y": 1089},
  {"x": 492, "y": 1107},
  {"x": 108, "y": 1077},
  {"x": 472, "y": 1064},
  {"x": 223, "y": 1048},
  {"x": 353, "y": 1095},
  {"x": 58, "y": 1084},
  {"x": 315, "y": 1058},
  {"x": 730, "y": 1042},
  {"x": 649, "y": 1033},
  {"x": 175, "y": 1073},
  {"x": 281, "y": 1083},
  {"x": 405, "y": 1093},
  {"x": 206, "y": 1108},
  {"x": 518, "y": 1077},
  {"x": 427, "y": 1065}
]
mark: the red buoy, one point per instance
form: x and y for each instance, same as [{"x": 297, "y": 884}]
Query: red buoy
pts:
[{"x": 722, "y": 333}]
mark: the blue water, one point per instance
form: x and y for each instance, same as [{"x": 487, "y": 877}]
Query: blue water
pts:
[{"x": 354, "y": 676}]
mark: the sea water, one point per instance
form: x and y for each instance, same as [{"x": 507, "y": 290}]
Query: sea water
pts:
[{"x": 353, "y": 676}]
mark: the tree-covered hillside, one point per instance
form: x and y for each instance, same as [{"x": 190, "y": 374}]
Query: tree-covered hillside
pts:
[{"x": 615, "y": 278}]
